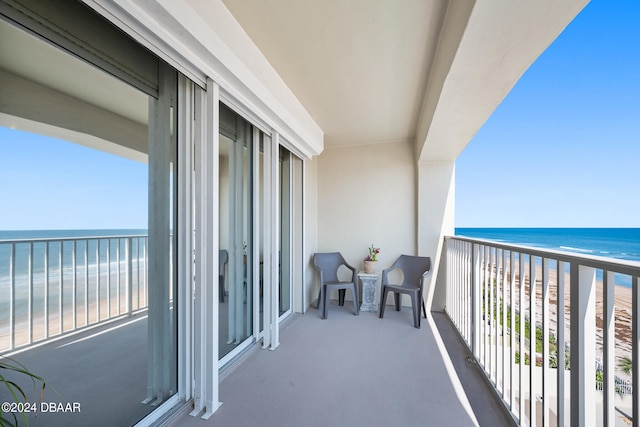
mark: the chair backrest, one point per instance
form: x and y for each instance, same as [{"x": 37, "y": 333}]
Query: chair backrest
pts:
[
  {"x": 413, "y": 268},
  {"x": 328, "y": 263},
  {"x": 223, "y": 259}
]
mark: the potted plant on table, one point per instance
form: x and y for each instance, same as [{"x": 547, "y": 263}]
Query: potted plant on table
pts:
[{"x": 371, "y": 261}]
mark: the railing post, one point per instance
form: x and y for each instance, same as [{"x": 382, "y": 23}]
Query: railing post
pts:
[
  {"x": 12, "y": 297},
  {"x": 635, "y": 350},
  {"x": 118, "y": 272},
  {"x": 475, "y": 300},
  {"x": 30, "y": 295},
  {"x": 489, "y": 312},
  {"x": 108, "y": 278},
  {"x": 583, "y": 341},
  {"x": 533, "y": 340},
  {"x": 448, "y": 300},
  {"x": 521, "y": 335},
  {"x": 46, "y": 289},
  {"x": 74, "y": 303},
  {"x": 560, "y": 341},
  {"x": 608, "y": 339},
  {"x": 466, "y": 285},
  {"x": 97, "y": 280},
  {"x": 512, "y": 328},
  {"x": 546, "y": 310},
  {"x": 60, "y": 291},
  {"x": 86, "y": 282},
  {"x": 505, "y": 354},
  {"x": 128, "y": 287}
]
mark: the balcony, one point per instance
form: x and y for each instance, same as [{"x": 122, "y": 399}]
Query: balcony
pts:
[
  {"x": 331, "y": 372},
  {"x": 466, "y": 365}
]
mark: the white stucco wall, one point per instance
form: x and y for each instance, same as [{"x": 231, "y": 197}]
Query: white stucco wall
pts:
[
  {"x": 366, "y": 194},
  {"x": 436, "y": 210}
]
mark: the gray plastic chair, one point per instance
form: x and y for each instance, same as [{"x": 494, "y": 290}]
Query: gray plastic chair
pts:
[
  {"x": 414, "y": 269},
  {"x": 327, "y": 265},
  {"x": 223, "y": 259}
]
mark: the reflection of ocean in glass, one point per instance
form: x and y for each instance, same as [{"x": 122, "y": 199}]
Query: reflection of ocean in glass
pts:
[
  {"x": 47, "y": 269},
  {"x": 617, "y": 243}
]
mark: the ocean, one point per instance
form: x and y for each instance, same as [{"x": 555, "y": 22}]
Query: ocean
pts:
[
  {"x": 617, "y": 243},
  {"x": 22, "y": 250}
]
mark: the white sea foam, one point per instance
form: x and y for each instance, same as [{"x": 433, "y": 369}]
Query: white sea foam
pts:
[{"x": 569, "y": 248}]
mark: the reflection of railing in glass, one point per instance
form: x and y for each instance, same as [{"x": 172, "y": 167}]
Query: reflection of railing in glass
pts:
[{"x": 54, "y": 286}]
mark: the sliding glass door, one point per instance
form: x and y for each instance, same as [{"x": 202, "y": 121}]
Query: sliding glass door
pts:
[
  {"x": 236, "y": 236},
  {"x": 260, "y": 228}
]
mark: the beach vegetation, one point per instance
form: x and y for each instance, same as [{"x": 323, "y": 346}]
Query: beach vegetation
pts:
[
  {"x": 553, "y": 359},
  {"x": 599, "y": 378},
  {"x": 11, "y": 366},
  {"x": 498, "y": 316},
  {"x": 626, "y": 365}
]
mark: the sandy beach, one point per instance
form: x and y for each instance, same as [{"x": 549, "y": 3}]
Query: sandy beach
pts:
[
  {"x": 622, "y": 312},
  {"x": 107, "y": 312}
]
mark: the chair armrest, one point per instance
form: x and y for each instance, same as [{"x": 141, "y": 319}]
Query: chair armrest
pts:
[
  {"x": 315, "y": 267},
  {"x": 354, "y": 270},
  {"x": 424, "y": 276},
  {"x": 385, "y": 281}
]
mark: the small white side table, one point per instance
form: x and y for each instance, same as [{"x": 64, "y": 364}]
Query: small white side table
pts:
[{"x": 369, "y": 284}]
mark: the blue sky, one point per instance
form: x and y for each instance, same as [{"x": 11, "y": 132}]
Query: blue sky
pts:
[
  {"x": 563, "y": 148},
  {"x": 49, "y": 184}
]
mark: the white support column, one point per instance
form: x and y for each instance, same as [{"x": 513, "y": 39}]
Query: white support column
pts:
[
  {"x": 160, "y": 345},
  {"x": 188, "y": 95},
  {"x": 275, "y": 241},
  {"x": 206, "y": 222},
  {"x": 268, "y": 235},
  {"x": 436, "y": 218},
  {"x": 256, "y": 225},
  {"x": 583, "y": 345}
]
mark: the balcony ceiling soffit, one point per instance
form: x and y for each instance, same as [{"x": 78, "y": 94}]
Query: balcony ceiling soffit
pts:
[
  {"x": 499, "y": 43},
  {"x": 33, "y": 59},
  {"x": 360, "y": 68}
]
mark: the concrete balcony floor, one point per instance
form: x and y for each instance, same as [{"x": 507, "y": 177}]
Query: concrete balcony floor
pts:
[
  {"x": 342, "y": 371},
  {"x": 356, "y": 371}
]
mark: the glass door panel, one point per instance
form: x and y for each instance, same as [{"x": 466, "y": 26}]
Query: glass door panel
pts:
[
  {"x": 290, "y": 200},
  {"x": 235, "y": 231},
  {"x": 284, "y": 257}
]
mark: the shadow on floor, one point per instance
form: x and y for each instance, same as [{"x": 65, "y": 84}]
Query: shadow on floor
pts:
[{"x": 489, "y": 411}]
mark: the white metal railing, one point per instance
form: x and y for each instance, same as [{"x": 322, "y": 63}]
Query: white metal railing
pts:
[
  {"x": 54, "y": 286},
  {"x": 565, "y": 301}
]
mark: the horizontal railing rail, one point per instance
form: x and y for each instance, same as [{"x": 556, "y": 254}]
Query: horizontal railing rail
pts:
[
  {"x": 571, "y": 313},
  {"x": 54, "y": 286}
]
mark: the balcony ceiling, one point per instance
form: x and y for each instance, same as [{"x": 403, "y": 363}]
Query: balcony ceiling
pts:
[
  {"x": 428, "y": 72},
  {"x": 360, "y": 67},
  {"x": 392, "y": 71}
]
